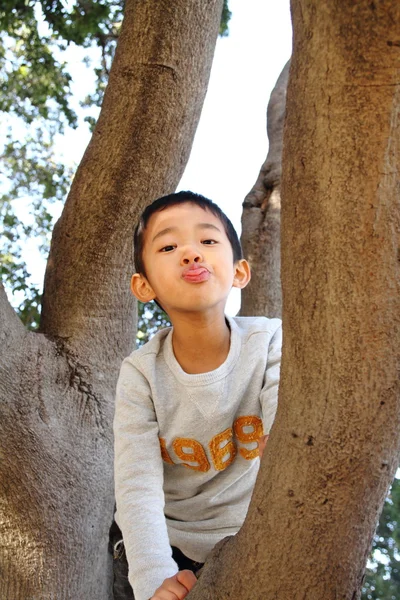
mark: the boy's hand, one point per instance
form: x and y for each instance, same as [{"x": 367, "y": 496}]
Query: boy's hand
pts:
[
  {"x": 262, "y": 442},
  {"x": 176, "y": 587}
]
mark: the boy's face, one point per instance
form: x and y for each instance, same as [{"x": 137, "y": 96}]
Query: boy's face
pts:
[{"x": 189, "y": 261}]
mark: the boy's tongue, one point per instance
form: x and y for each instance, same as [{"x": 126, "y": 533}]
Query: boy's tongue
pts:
[{"x": 195, "y": 275}]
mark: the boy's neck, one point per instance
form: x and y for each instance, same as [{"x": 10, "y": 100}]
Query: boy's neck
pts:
[{"x": 201, "y": 344}]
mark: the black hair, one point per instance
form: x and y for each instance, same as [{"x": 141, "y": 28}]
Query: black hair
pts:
[{"x": 173, "y": 200}]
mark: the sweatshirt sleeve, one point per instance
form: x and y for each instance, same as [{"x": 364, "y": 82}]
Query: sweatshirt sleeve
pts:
[
  {"x": 269, "y": 392},
  {"x": 138, "y": 470}
]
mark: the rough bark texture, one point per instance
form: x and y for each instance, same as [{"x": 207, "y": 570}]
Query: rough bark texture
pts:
[
  {"x": 57, "y": 386},
  {"x": 261, "y": 218},
  {"x": 335, "y": 444}
]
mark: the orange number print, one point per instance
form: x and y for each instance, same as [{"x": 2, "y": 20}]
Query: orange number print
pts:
[
  {"x": 248, "y": 430},
  {"x": 164, "y": 452},
  {"x": 223, "y": 450},
  {"x": 190, "y": 450}
]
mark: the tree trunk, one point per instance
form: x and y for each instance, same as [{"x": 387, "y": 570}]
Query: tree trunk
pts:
[
  {"x": 57, "y": 386},
  {"x": 261, "y": 218},
  {"x": 334, "y": 447}
]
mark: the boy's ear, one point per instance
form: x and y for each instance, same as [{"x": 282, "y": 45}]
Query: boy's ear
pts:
[
  {"x": 141, "y": 288},
  {"x": 242, "y": 274}
]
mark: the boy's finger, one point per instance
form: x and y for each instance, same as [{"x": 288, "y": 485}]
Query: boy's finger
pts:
[
  {"x": 171, "y": 589},
  {"x": 187, "y": 578},
  {"x": 164, "y": 595}
]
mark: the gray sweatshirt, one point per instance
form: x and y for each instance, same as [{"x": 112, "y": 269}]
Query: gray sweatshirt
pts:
[{"x": 186, "y": 451}]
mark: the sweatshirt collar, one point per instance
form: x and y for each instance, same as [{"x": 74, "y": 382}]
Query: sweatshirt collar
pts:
[{"x": 197, "y": 379}]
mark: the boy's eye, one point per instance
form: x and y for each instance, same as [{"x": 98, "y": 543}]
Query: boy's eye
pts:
[
  {"x": 209, "y": 242},
  {"x": 167, "y": 248}
]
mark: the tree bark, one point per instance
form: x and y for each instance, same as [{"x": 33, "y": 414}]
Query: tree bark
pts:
[
  {"x": 261, "y": 218},
  {"x": 334, "y": 447},
  {"x": 57, "y": 386}
]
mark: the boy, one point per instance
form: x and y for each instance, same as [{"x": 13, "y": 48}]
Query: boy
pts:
[{"x": 195, "y": 403}]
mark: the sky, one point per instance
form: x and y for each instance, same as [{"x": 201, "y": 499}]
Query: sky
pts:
[{"x": 231, "y": 141}]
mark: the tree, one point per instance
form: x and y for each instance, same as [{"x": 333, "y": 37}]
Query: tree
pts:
[
  {"x": 35, "y": 110},
  {"x": 261, "y": 218},
  {"x": 261, "y": 243},
  {"x": 151, "y": 318},
  {"x": 57, "y": 386},
  {"x": 334, "y": 447},
  {"x": 382, "y": 578}
]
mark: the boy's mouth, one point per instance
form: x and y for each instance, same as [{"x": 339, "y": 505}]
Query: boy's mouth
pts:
[{"x": 196, "y": 274}]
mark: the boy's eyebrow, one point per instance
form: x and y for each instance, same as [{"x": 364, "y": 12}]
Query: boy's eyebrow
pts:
[
  {"x": 173, "y": 229},
  {"x": 163, "y": 232},
  {"x": 207, "y": 226}
]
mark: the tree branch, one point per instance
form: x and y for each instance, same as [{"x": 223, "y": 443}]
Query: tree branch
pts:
[
  {"x": 138, "y": 151},
  {"x": 261, "y": 219}
]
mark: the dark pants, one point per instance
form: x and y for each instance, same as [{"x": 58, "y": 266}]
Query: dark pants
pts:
[{"x": 122, "y": 588}]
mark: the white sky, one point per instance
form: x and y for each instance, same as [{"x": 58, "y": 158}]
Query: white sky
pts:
[{"x": 231, "y": 142}]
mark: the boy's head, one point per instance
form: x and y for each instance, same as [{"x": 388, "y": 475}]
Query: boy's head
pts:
[
  {"x": 187, "y": 255},
  {"x": 174, "y": 200}
]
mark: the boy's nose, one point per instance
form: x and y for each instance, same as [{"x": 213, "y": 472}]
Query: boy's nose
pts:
[{"x": 191, "y": 256}]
